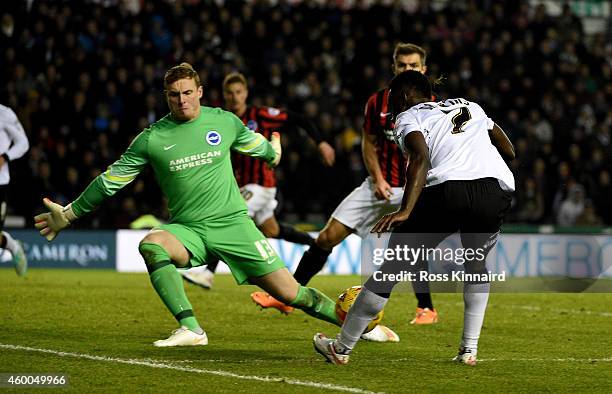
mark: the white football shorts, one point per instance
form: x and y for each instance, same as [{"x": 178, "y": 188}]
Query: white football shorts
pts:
[
  {"x": 360, "y": 210},
  {"x": 261, "y": 201}
]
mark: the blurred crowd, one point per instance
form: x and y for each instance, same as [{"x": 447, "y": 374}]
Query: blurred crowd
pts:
[{"x": 86, "y": 77}]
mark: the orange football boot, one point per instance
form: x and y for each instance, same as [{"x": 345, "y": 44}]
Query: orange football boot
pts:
[
  {"x": 425, "y": 316},
  {"x": 265, "y": 300}
]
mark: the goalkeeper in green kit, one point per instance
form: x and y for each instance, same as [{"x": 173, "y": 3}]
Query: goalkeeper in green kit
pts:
[{"x": 189, "y": 150}]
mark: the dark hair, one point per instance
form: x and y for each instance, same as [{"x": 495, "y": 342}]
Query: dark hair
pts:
[
  {"x": 411, "y": 80},
  {"x": 183, "y": 70}
]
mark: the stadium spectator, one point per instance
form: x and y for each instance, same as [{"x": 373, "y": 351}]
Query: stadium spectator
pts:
[
  {"x": 59, "y": 58},
  {"x": 602, "y": 195},
  {"x": 588, "y": 217},
  {"x": 531, "y": 202},
  {"x": 572, "y": 207}
]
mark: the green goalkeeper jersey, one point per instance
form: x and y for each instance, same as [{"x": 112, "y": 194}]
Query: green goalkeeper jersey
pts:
[{"x": 192, "y": 164}]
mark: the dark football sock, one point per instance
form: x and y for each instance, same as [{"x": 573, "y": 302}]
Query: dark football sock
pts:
[
  {"x": 424, "y": 300},
  {"x": 311, "y": 263},
  {"x": 291, "y": 234},
  {"x": 421, "y": 287},
  {"x": 212, "y": 266}
]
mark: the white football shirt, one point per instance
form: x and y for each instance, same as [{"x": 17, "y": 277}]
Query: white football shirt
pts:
[
  {"x": 13, "y": 140},
  {"x": 457, "y": 135}
]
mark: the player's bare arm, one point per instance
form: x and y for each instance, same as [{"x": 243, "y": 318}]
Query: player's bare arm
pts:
[
  {"x": 416, "y": 173},
  {"x": 502, "y": 143},
  {"x": 328, "y": 155},
  {"x": 368, "y": 149}
]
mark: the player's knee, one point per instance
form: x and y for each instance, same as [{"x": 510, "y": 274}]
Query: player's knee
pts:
[
  {"x": 154, "y": 255},
  {"x": 328, "y": 238},
  {"x": 271, "y": 232},
  {"x": 154, "y": 237},
  {"x": 270, "y": 227}
]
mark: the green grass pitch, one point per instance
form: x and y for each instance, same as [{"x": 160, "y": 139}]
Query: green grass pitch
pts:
[{"x": 105, "y": 322}]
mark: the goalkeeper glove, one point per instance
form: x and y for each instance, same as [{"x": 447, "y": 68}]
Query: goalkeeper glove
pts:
[
  {"x": 275, "y": 140},
  {"x": 52, "y": 222}
]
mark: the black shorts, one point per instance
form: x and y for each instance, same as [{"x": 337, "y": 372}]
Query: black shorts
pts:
[{"x": 474, "y": 208}]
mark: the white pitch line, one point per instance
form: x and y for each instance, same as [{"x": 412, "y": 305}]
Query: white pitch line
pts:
[{"x": 155, "y": 364}]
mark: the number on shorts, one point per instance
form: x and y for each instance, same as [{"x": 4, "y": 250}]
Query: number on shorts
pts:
[{"x": 265, "y": 249}]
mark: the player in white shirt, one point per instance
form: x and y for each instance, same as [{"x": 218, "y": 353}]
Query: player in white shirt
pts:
[
  {"x": 13, "y": 145},
  {"x": 456, "y": 161}
]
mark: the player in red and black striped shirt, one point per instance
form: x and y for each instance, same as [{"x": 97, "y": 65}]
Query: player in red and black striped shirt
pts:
[
  {"x": 256, "y": 179},
  {"x": 384, "y": 159},
  {"x": 265, "y": 120},
  {"x": 379, "y": 194}
]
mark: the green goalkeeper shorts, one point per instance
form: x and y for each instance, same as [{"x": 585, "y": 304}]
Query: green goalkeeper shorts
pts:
[{"x": 236, "y": 241}]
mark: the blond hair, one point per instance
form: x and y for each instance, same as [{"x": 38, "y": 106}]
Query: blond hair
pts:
[
  {"x": 183, "y": 70},
  {"x": 234, "y": 77}
]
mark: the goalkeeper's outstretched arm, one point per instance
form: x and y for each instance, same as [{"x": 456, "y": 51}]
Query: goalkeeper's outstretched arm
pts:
[
  {"x": 58, "y": 218},
  {"x": 118, "y": 175}
]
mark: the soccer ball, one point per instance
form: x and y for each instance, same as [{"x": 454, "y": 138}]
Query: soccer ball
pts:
[{"x": 346, "y": 300}]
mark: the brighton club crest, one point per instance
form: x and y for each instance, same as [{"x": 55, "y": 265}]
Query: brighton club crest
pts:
[{"x": 213, "y": 138}]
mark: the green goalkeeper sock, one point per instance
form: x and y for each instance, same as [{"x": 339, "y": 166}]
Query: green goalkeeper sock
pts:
[
  {"x": 316, "y": 304},
  {"x": 167, "y": 282}
]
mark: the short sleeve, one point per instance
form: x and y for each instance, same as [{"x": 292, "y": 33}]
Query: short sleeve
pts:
[
  {"x": 479, "y": 112},
  {"x": 369, "y": 118},
  {"x": 405, "y": 123}
]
